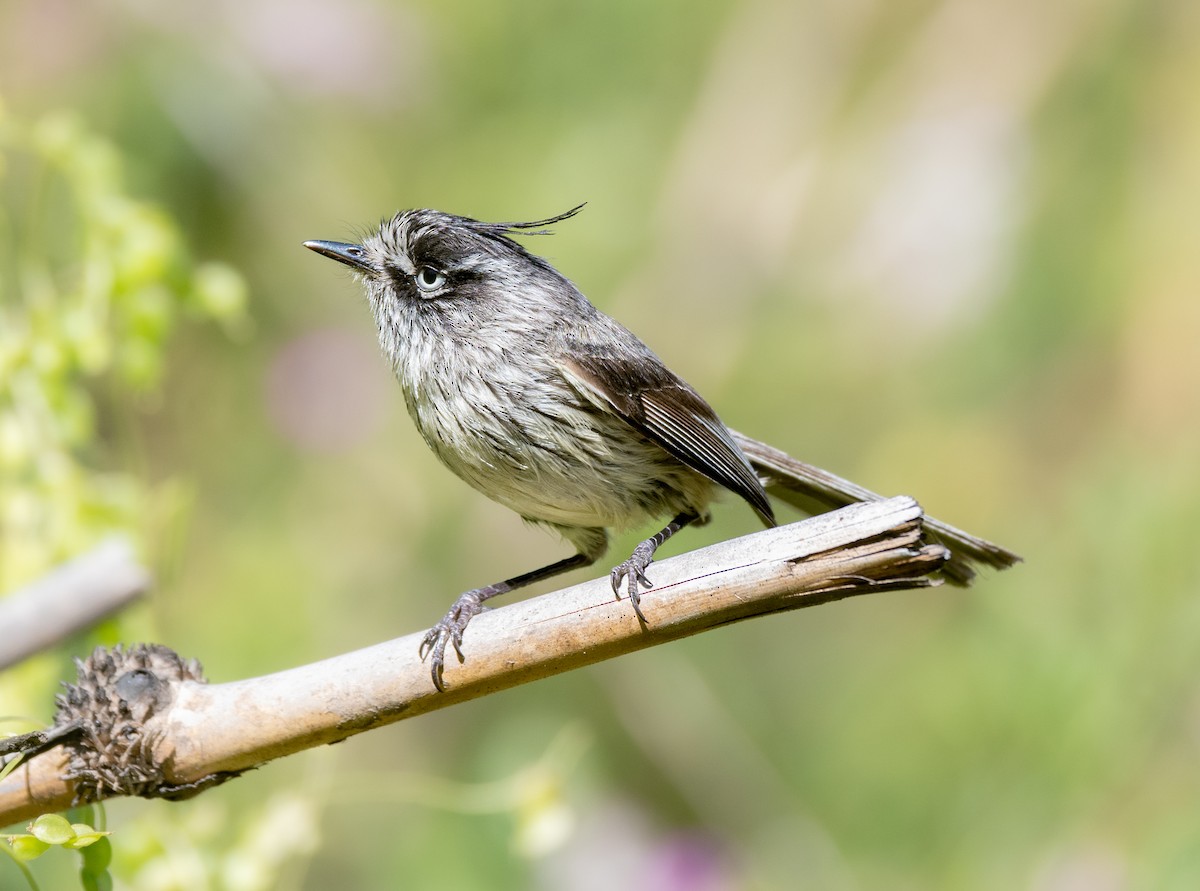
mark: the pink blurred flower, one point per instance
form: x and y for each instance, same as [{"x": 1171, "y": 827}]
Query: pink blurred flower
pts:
[{"x": 326, "y": 390}]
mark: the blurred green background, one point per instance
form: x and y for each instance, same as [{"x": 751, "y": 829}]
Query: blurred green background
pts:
[{"x": 943, "y": 248}]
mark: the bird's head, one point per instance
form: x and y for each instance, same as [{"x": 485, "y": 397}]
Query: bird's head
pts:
[{"x": 427, "y": 257}]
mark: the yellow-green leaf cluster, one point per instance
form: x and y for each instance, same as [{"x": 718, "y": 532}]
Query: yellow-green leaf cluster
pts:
[{"x": 92, "y": 283}]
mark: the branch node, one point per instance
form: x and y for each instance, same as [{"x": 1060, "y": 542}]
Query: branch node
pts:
[{"x": 117, "y": 695}]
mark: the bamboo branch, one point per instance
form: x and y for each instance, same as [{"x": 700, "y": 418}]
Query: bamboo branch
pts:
[
  {"x": 208, "y": 732},
  {"x": 73, "y": 597}
]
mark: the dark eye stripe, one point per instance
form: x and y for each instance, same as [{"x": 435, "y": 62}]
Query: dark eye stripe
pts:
[{"x": 399, "y": 278}]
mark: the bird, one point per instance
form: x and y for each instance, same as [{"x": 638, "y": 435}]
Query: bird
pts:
[{"x": 552, "y": 408}]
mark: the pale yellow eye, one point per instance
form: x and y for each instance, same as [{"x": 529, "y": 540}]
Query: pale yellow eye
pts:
[{"x": 429, "y": 279}]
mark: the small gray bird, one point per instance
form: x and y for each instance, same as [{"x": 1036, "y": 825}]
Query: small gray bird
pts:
[{"x": 548, "y": 406}]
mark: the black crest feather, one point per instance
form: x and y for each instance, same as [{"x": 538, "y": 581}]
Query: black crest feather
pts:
[{"x": 532, "y": 227}]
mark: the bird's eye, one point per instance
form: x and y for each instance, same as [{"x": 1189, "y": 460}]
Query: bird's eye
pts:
[{"x": 429, "y": 279}]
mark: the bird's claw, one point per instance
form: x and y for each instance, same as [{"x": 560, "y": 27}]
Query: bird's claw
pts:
[
  {"x": 449, "y": 630},
  {"x": 633, "y": 574}
]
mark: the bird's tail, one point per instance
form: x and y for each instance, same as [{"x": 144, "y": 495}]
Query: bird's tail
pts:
[{"x": 814, "y": 490}]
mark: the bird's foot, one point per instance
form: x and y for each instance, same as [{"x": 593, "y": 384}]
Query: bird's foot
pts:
[
  {"x": 633, "y": 574},
  {"x": 449, "y": 630}
]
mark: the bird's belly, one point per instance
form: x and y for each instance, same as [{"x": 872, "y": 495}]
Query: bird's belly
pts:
[{"x": 558, "y": 461}]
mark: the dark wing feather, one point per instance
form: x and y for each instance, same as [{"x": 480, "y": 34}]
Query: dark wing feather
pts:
[{"x": 651, "y": 399}]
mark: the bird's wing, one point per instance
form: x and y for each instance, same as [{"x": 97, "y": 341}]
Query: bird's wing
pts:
[{"x": 650, "y": 398}]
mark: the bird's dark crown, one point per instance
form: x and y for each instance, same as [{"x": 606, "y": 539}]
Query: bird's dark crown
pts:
[{"x": 444, "y": 239}]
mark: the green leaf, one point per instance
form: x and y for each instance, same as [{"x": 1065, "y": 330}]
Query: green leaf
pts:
[
  {"x": 53, "y": 829},
  {"x": 96, "y": 857},
  {"x": 100, "y": 881},
  {"x": 26, "y": 847},
  {"x": 84, "y": 836}
]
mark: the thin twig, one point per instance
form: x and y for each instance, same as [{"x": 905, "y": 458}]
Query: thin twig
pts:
[{"x": 71, "y": 598}]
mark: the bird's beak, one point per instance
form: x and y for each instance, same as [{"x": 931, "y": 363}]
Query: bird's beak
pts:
[{"x": 353, "y": 255}]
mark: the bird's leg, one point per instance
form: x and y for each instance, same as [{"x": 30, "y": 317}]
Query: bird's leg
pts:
[
  {"x": 452, "y": 625},
  {"x": 634, "y": 569}
]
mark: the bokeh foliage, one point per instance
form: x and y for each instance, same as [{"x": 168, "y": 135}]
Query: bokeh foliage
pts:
[
  {"x": 92, "y": 281},
  {"x": 945, "y": 248}
]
